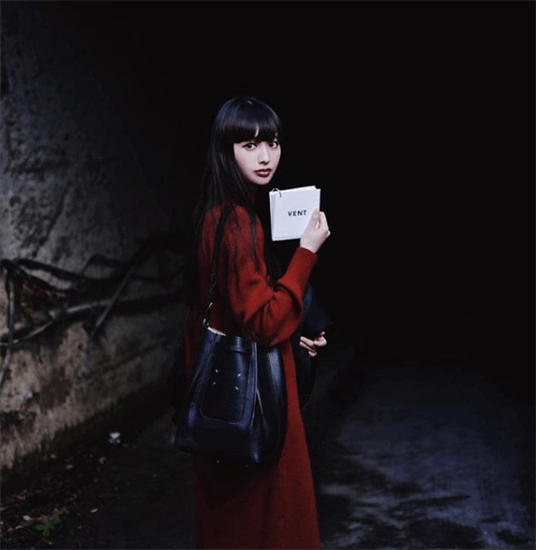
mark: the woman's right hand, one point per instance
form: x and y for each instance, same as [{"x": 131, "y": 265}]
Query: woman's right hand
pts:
[{"x": 316, "y": 232}]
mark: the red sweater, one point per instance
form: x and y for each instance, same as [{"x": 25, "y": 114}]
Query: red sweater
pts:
[{"x": 272, "y": 506}]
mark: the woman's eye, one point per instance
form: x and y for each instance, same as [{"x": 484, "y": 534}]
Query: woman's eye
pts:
[
  {"x": 274, "y": 143},
  {"x": 249, "y": 146}
]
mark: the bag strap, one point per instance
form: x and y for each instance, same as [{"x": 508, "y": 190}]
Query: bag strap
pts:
[{"x": 213, "y": 275}]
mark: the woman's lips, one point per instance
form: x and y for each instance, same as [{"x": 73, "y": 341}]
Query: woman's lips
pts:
[{"x": 263, "y": 173}]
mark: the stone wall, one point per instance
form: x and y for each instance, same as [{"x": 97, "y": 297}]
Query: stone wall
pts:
[{"x": 71, "y": 188}]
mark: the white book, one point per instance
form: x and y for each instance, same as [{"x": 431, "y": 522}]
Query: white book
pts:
[{"x": 290, "y": 211}]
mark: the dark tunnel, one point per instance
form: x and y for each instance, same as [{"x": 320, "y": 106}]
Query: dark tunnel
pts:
[{"x": 407, "y": 142}]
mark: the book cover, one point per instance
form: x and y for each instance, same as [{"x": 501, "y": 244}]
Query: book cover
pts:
[{"x": 290, "y": 211}]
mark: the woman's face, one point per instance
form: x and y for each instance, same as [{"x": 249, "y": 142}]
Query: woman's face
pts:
[{"x": 257, "y": 160}]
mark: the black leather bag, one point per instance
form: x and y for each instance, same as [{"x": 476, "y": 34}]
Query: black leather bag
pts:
[{"x": 235, "y": 407}]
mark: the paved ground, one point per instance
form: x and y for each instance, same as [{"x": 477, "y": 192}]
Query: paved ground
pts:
[
  {"x": 427, "y": 458},
  {"x": 415, "y": 455}
]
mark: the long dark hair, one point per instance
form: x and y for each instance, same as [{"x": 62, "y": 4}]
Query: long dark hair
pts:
[{"x": 239, "y": 119}]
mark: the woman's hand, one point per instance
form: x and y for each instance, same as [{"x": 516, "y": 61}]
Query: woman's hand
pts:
[
  {"x": 316, "y": 232},
  {"x": 312, "y": 345}
]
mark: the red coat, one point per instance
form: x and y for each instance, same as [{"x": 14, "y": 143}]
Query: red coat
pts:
[{"x": 273, "y": 506}]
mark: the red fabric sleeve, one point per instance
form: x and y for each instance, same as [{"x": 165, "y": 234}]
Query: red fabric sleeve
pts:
[{"x": 265, "y": 313}]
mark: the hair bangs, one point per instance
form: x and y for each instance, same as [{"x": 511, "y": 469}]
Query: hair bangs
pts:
[{"x": 254, "y": 121}]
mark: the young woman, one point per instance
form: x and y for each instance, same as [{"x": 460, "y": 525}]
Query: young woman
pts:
[{"x": 270, "y": 506}]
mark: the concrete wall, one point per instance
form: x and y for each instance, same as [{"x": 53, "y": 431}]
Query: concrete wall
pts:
[{"x": 71, "y": 188}]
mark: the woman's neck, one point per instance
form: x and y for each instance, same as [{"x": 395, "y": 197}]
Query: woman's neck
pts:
[{"x": 252, "y": 191}]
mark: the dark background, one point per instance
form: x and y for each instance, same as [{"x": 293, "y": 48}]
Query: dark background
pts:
[{"x": 415, "y": 119}]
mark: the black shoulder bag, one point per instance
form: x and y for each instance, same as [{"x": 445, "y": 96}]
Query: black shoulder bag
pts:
[{"x": 235, "y": 407}]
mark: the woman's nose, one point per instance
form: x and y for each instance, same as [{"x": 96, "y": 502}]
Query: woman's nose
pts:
[{"x": 264, "y": 153}]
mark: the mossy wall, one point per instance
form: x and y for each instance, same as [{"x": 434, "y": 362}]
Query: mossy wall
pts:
[{"x": 71, "y": 188}]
